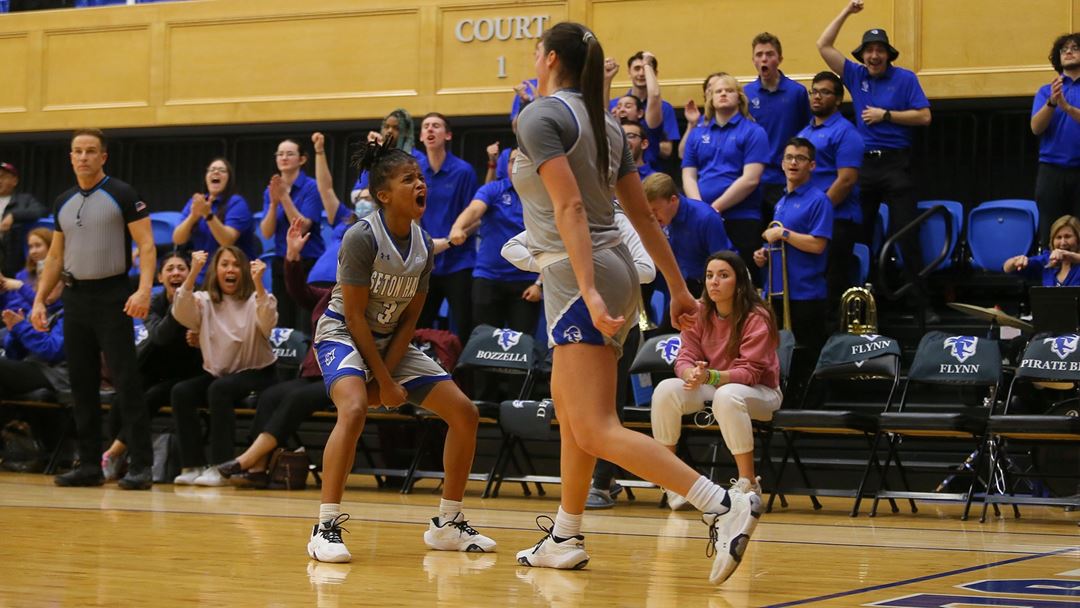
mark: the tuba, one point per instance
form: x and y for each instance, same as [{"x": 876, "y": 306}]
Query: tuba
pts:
[
  {"x": 781, "y": 247},
  {"x": 858, "y": 311}
]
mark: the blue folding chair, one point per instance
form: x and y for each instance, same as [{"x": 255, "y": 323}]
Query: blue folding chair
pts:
[
  {"x": 163, "y": 231},
  {"x": 1020, "y": 203},
  {"x": 881, "y": 229},
  {"x": 999, "y": 230},
  {"x": 932, "y": 232},
  {"x": 861, "y": 270}
]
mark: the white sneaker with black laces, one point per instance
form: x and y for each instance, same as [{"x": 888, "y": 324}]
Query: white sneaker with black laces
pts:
[
  {"x": 746, "y": 485},
  {"x": 565, "y": 554},
  {"x": 456, "y": 535},
  {"x": 729, "y": 533},
  {"x": 326, "y": 544}
]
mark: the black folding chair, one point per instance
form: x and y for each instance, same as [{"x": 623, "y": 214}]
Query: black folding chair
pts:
[
  {"x": 944, "y": 360},
  {"x": 1051, "y": 439},
  {"x": 846, "y": 359}
]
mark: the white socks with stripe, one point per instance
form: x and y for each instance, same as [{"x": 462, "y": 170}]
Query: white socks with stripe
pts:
[{"x": 708, "y": 497}]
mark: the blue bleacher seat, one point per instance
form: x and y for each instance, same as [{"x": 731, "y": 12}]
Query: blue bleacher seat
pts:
[
  {"x": 656, "y": 306},
  {"x": 268, "y": 281},
  {"x": 861, "y": 270},
  {"x": 163, "y": 231},
  {"x": 881, "y": 228},
  {"x": 45, "y": 222},
  {"x": 932, "y": 233},
  {"x": 999, "y": 230},
  {"x": 1020, "y": 203}
]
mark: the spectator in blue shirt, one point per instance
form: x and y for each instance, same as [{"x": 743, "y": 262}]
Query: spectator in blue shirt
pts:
[
  {"x": 838, "y": 158},
  {"x": 694, "y": 230},
  {"x": 219, "y": 216},
  {"x": 645, "y": 86},
  {"x": 780, "y": 106},
  {"x": 1055, "y": 120},
  {"x": 324, "y": 272},
  {"x": 451, "y": 184},
  {"x": 502, "y": 295},
  {"x": 725, "y": 158},
  {"x": 18, "y": 293},
  {"x": 33, "y": 359},
  {"x": 693, "y": 114},
  {"x": 802, "y": 228},
  {"x": 889, "y": 102},
  {"x": 524, "y": 92},
  {"x": 1059, "y": 267},
  {"x": 637, "y": 139},
  {"x": 292, "y": 195}
]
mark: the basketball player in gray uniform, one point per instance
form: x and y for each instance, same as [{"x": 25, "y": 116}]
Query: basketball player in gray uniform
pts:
[
  {"x": 363, "y": 345},
  {"x": 574, "y": 161}
]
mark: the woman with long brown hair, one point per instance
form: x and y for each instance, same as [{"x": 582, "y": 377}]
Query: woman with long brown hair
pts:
[{"x": 728, "y": 358}]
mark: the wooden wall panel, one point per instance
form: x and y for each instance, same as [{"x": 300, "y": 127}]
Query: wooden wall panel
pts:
[
  {"x": 96, "y": 68},
  {"x": 15, "y": 49}
]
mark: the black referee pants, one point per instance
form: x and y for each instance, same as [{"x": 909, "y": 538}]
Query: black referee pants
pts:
[{"x": 95, "y": 324}]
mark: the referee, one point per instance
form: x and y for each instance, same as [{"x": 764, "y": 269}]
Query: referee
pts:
[{"x": 95, "y": 224}]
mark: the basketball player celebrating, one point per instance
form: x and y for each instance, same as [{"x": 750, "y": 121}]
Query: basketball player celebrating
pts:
[
  {"x": 574, "y": 160},
  {"x": 364, "y": 350}
]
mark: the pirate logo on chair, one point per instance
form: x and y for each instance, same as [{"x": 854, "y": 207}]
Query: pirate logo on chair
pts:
[
  {"x": 1062, "y": 346},
  {"x": 669, "y": 348},
  {"x": 961, "y": 347},
  {"x": 506, "y": 338}
]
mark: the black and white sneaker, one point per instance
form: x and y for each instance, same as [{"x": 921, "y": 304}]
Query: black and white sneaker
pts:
[
  {"x": 564, "y": 554},
  {"x": 456, "y": 535},
  {"x": 326, "y": 544},
  {"x": 729, "y": 533}
]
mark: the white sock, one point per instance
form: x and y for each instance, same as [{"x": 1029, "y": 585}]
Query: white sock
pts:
[
  {"x": 448, "y": 510},
  {"x": 328, "y": 511},
  {"x": 567, "y": 525},
  {"x": 708, "y": 497}
]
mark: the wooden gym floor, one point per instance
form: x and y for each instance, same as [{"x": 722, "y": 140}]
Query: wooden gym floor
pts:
[{"x": 177, "y": 546}]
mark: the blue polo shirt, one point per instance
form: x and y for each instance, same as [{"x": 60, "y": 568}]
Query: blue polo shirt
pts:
[
  {"x": 807, "y": 211},
  {"x": 502, "y": 221},
  {"x": 695, "y": 233},
  {"x": 502, "y": 164},
  {"x": 362, "y": 180},
  {"x": 449, "y": 192},
  {"x": 719, "y": 154},
  {"x": 896, "y": 89},
  {"x": 781, "y": 113},
  {"x": 305, "y": 195},
  {"x": 838, "y": 146},
  {"x": 1037, "y": 269},
  {"x": 667, "y": 131},
  {"x": 1060, "y": 142},
  {"x": 515, "y": 107},
  {"x": 325, "y": 268},
  {"x": 237, "y": 216},
  {"x": 645, "y": 171}
]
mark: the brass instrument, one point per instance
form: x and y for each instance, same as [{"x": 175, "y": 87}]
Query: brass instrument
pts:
[
  {"x": 858, "y": 311},
  {"x": 780, "y": 246},
  {"x": 643, "y": 321}
]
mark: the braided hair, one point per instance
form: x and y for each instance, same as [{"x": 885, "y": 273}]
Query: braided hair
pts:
[{"x": 382, "y": 161}]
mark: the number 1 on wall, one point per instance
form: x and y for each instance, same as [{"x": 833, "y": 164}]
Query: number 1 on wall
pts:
[{"x": 502, "y": 66}]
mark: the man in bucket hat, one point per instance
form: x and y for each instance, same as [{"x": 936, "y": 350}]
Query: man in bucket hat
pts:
[{"x": 889, "y": 102}]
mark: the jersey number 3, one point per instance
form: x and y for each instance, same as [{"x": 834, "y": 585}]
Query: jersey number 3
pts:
[{"x": 387, "y": 314}]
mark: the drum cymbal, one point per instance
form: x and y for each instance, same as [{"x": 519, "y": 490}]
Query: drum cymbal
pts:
[{"x": 991, "y": 314}]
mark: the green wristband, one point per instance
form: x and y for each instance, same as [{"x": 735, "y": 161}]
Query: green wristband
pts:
[{"x": 714, "y": 378}]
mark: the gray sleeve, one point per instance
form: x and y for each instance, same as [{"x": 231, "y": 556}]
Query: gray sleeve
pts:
[
  {"x": 425, "y": 274},
  {"x": 357, "y": 255},
  {"x": 627, "y": 167},
  {"x": 546, "y": 130}
]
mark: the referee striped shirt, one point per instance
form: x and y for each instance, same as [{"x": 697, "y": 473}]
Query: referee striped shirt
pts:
[{"x": 97, "y": 243}]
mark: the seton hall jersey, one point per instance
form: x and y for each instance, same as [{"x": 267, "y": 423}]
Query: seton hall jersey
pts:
[{"x": 371, "y": 257}]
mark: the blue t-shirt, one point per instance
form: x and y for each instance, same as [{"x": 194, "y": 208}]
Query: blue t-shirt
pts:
[
  {"x": 667, "y": 131},
  {"x": 515, "y": 107},
  {"x": 1060, "y": 142},
  {"x": 362, "y": 179},
  {"x": 502, "y": 165},
  {"x": 695, "y": 233},
  {"x": 325, "y": 268},
  {"x": 449, "y": 192},
  {"x": 719, "y": 154},
  {"x": 807, "y": 210},
  {"x": 781, "y": 113},
  {"x": 237, "y": 216},
  {"x": 896, "y": 89},
  {"x": 1037, "y": 269},
  {"x": 645, "y": 171},
  {"x": 305, "y": 195},
  {"x": 502, "y": 221},
  {"x": 838, "y": 146}
]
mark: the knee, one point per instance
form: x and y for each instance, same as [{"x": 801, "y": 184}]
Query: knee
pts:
[
  {"x": 463, "y": 414},
  {"x": 351, "y": 413},
  {"x": 728, "y": 399},
  {"x": 667, "y": 396},
  {"x": 596, "y": 442}
]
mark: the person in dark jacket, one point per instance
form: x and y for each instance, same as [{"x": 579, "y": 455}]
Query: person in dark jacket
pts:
[{"x": 17, "y": 212}]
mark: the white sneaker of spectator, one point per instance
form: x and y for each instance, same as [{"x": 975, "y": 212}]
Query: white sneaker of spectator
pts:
[
  {"x": 211, "y": 478},
  {"x": 456, "y": 535},
  {"x": 729, "y": 534},
  {"x": 188, "y": 475}
]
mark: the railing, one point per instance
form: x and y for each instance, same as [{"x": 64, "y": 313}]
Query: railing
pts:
[{"x": 883, "y": 286}]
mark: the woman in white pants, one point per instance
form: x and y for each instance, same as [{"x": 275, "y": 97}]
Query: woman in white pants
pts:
[{"x": 728, "y": 358}]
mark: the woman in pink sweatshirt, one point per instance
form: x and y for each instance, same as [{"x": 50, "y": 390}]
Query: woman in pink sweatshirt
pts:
[
  {"x": 233, "y": 315},
  {"x": 728, "y": 357}
]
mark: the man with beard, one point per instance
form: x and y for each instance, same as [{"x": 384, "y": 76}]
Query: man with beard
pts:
[
  {"x": 889, "y": 102},
  {"x": 839, "y": 156},
  {"x": 1055, "y": 119}
]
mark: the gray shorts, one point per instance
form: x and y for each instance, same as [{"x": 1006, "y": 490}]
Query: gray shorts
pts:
[{"x": 567, "y": 316}]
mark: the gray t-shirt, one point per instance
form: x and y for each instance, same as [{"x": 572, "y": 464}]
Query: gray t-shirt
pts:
[
  {"x": 558, "y": 125},
  {"x": 393, "y": 269}
]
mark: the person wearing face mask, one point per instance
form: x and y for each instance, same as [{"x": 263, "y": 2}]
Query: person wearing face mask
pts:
[
  {"x": 169, "y": 354},
  {"x": 1059, "y": 267},
  {"x": 233, "y": 315},
  {"x": 889, "y": 103},
  {"x": 398, "y": 126},
  {"x": 18, "y": 210},
  {"x": 219, "y": 216},
  {"x": 292, "y": 195}
]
